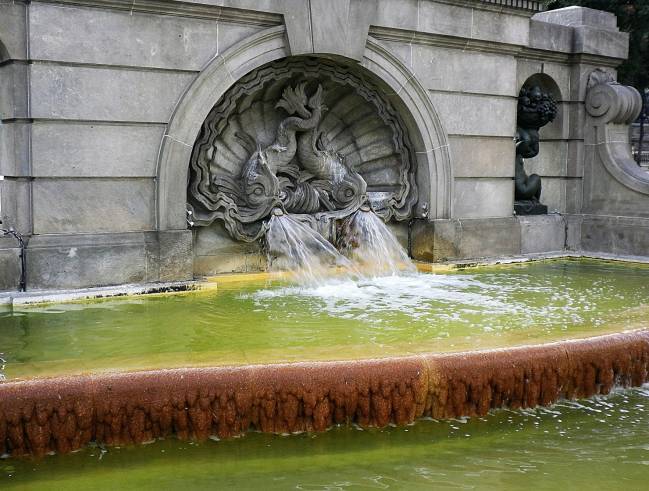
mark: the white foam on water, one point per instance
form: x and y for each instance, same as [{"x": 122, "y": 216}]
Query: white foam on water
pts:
[{"x": 411, "y": 294}]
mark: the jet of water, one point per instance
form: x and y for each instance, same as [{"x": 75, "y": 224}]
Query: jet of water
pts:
[
  {"x": 295, "y": 247},
  {"x": 370, "y": 244}
]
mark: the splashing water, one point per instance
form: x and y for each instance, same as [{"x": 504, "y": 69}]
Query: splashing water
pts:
[
  {"x": 295, "y": 247},
  {"x": 372, "y": 246}
]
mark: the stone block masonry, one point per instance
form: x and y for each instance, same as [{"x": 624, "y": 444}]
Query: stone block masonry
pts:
[{"x": 101, "y": 103}]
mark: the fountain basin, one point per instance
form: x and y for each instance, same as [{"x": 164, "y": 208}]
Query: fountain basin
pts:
[
  {"x": 533, "y": 448},
  {"x": 273, "y": 357},
  {"x": 66, "y": 413}
]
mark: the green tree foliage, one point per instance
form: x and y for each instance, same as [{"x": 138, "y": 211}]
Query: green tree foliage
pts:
[{"x": 632, "y": 17}]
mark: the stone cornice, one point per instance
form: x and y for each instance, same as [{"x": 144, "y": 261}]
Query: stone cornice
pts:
[
  {"x": 492, "y": 6},
  {"x": 442, "y": 41},
  {"x": 184, "y": 9},
  {"x": 494, "y": 47}
]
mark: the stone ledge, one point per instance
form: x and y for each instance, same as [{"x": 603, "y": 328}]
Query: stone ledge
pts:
[
  {"x": 88, "y": 260},
  {"x": 447, "y": 240},
  {"x": 616, "y": 235},
  {"x": 65, "y": 414}
]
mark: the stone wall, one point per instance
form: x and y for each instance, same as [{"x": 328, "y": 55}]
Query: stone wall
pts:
[{"x": 101, "y": 102}]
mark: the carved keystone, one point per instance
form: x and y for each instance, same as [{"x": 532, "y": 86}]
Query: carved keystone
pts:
[{"x": 338, "y": 27}]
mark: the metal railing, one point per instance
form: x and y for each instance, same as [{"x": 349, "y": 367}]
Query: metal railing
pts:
[{"x": 521, "y": 4}]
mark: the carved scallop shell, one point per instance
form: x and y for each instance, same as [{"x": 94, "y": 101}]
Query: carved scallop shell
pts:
[{"x": 359, "y": 126}]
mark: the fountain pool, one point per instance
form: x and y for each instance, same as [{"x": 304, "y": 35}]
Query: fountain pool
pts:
[
  {"x": 277, "y": 357},
  {"x": 271, "y": 322}
]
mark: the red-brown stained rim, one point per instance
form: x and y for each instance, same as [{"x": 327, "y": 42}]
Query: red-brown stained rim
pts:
[{"x": 64, "y": 414}]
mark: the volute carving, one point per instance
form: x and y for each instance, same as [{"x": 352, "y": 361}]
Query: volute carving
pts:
[
  {"x": 612, "y": 107},
  {"x": 303, "y": 135}
]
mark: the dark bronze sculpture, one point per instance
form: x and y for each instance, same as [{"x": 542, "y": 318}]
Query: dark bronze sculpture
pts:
[{"x": 535, "y": 109}]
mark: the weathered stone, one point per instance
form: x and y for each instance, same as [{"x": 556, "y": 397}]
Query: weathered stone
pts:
[
  {"x": 13, "y": 44},
  {"x": 477, "y": 115},
  {"x": 573, "y": 232},
  {"x": 579, "y": 16},
  {"x": 441, "y": 18},
  {"x": 614, "y": 184},
  {"x": 594, "y": 31},
  {"x": 14, "y": 149},
  {"x": 482, "y": 156},
  {"x": 111, "y": 37},
  {"x": 75, "y": 261},
  {"x": 172, "y": 255},
  {"x": 9, "y": 263},
  {"x": 15, "y": 201},
  {"x": 72, "y": 206},
  {"x": 227, "y": 263},
  {"x": 553, "y": 194},
  {"x": 231, "y": 34},
  {"x": 500, "y": 27},
  {"x": 309, "y": 27},
  {"x": 444, "y": 240},
  {"x": 215, "y": 240},
  {"x": 401, "y": 15},
  {"x": 575, "y": 158},
  {"x": 601, "y": 42},
  {"x": 551, "y": 37},
  {"x": 105, "y": 94},
  {"x": 552, "y": 159},
  {"x": 483, "y": 198},
  {"x": 625, "y": 236},
  {"x": 95, "y": 150},
  {"x": 455, "y": 71},
  {"x": 574, "y": 195},
  {"x": 542, "y": 234},
  {"x": 401, "y": 232},
  {"x": 13, "y": 90}
]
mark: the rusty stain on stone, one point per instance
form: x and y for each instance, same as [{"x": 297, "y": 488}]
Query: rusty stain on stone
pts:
[{"x": 64, "y": 414}]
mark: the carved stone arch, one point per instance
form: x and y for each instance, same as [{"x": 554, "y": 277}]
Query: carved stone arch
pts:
[{"x": 397, "y": 82}]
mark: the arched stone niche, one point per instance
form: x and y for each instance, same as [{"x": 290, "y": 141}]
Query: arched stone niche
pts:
[
  {"x": 394, "y": 81},
  {"x": 312, "y": 136}
]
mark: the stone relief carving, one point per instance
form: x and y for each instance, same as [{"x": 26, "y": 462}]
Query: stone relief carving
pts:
[
  {"x": 535, "y": 109},
  {"x": 304, "y": 135}
]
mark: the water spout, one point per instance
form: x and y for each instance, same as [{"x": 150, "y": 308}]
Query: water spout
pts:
[
  {"x": 371, "y": 245},
  {"x": 295, "y": 247}
]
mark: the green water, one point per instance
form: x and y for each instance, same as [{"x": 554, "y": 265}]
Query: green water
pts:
[
  {"x": 258, "y": 323},
  {"x": 596, "y": 444}
]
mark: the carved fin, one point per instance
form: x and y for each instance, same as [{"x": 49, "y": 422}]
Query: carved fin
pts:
[
  {"x": 294, "y": 99},
  {"x": 316, "y": 99}
]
